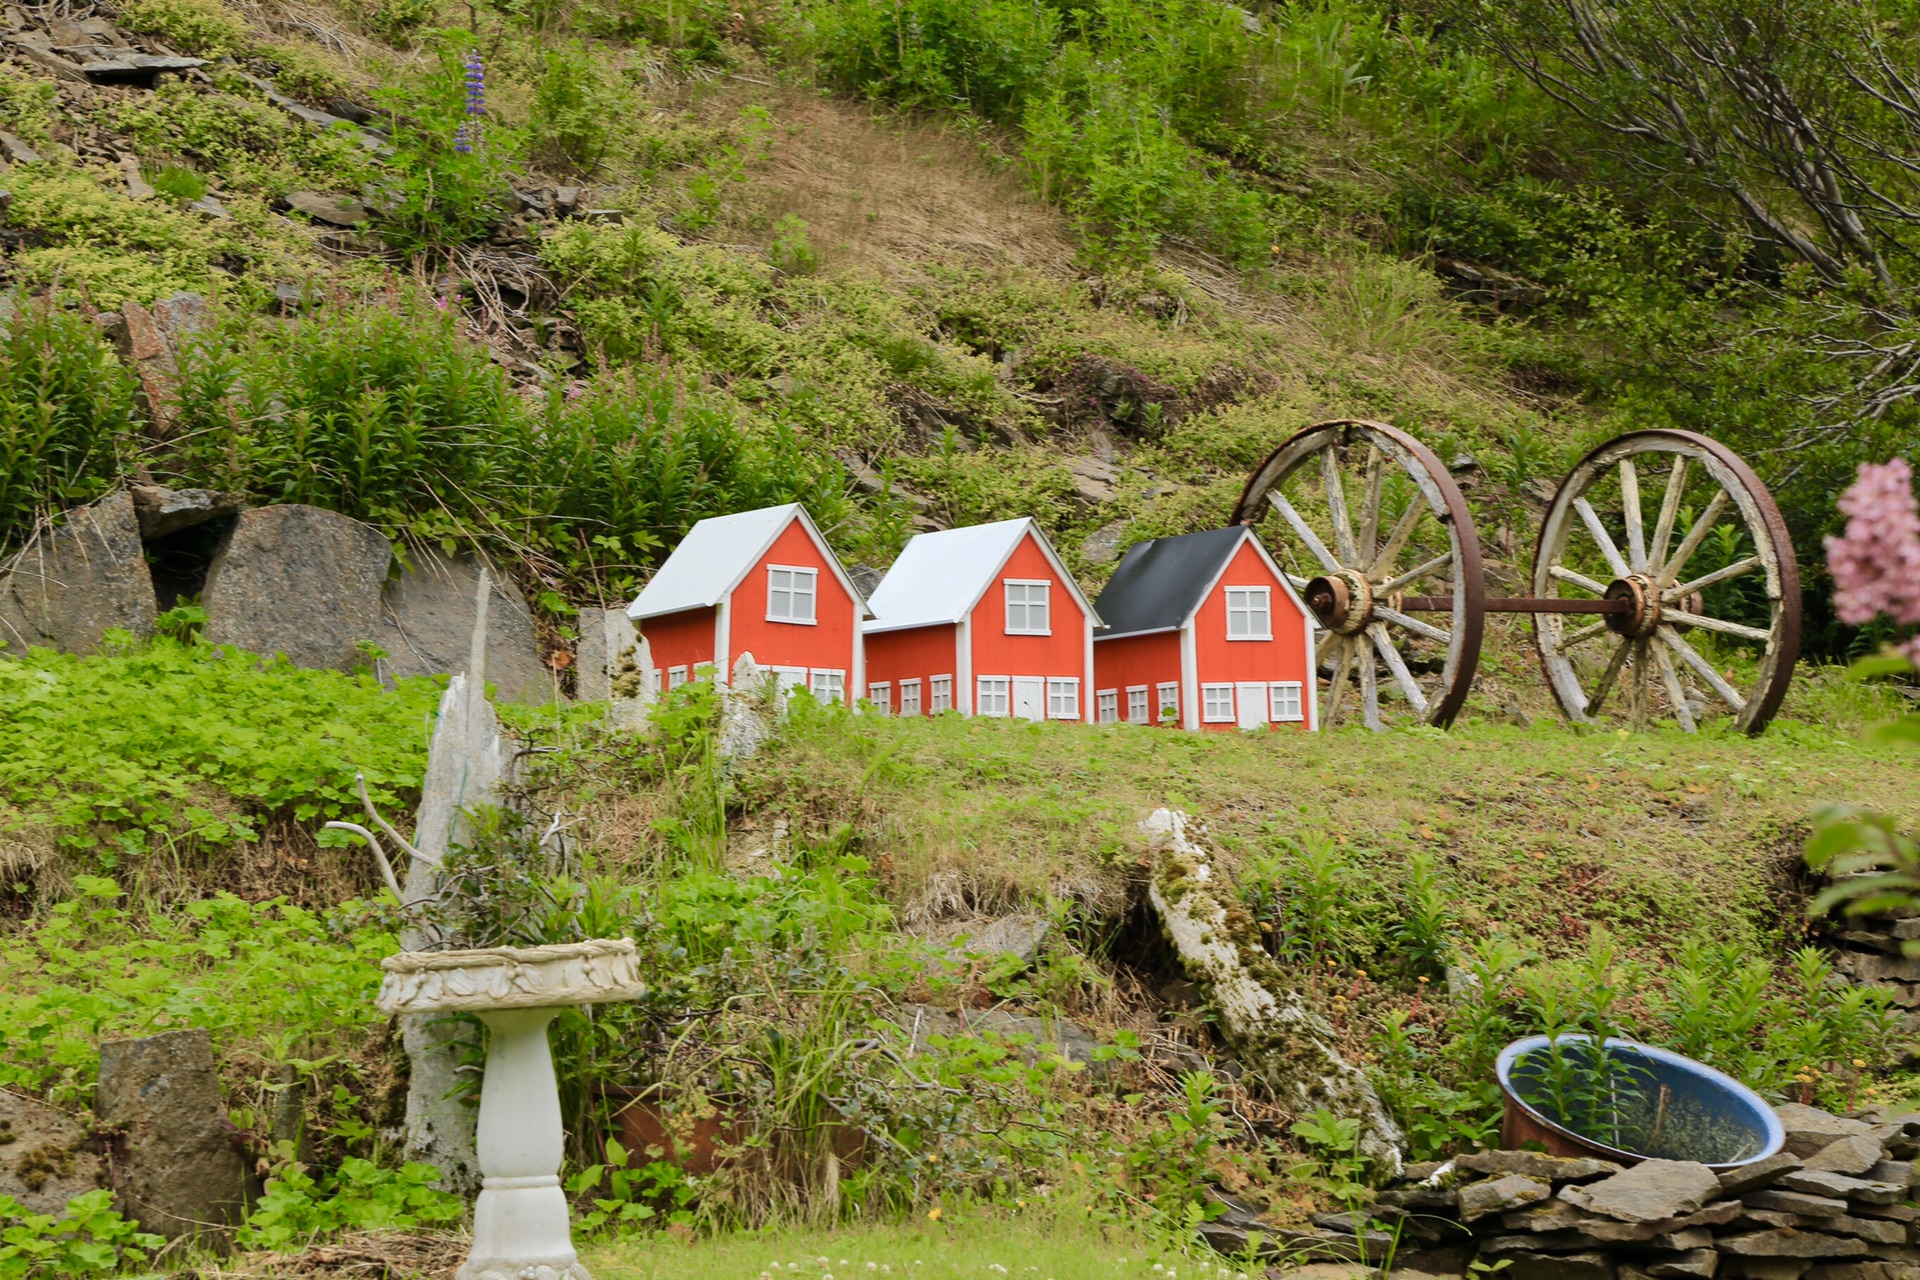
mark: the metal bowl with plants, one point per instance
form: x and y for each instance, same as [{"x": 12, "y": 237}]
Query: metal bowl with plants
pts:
[{"x": 1627, "y": 1102}]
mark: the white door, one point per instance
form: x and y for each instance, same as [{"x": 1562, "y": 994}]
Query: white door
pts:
[
  {"x": 1030, "y": 697},
  {"x": 1250, "y": 701}
]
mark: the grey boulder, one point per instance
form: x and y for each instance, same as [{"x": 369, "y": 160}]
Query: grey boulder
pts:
[
  {"x": 426, "y": 625},
  {"x": 297, "y": 580},
  {"x": 66, "y": 589},
  {"x": 178, "y": 1167},
  {"x": 45, "y": 1156},
  {"x": 162, "y": 511}
]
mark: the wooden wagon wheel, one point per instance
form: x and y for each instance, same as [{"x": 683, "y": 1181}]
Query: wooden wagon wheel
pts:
[
  {"x": 1358, "y": 564},
  {"x": 1707, "y": 598}
]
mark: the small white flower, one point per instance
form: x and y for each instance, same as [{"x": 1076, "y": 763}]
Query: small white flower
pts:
[
  {"x": 1158, "y": 1267},
  {"x": 873, "y": 1266},
  {"x": 994, "y": 1266}
]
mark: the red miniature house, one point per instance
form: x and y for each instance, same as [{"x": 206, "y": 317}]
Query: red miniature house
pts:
[
  {"x": 983, "y": 621},
  {"x": 763, "y": 583},
  {"x": 1204, "y": 631}
]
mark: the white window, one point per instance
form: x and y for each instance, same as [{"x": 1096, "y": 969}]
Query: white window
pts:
[
  {"x": 940, "y": 693},
  {"x": 881, "y": 696},
  {"x": 1137, "y": 704},
  {"x": 1216, "y": 703},
  {"x": 991, "y": 696},
  {"x": 656, "y": 679},
  {"x": 828, "y": 686},
  {"x": 1249, "y": 613},
  {"x": 786, "y": 678},
  {"x": 1063, "y": 699},
  {"x": 1285, "y": 697},
  {"x": 676, "y": 676},
  {"x": 1108, "y": 702},
  {"x": 790, "y": 593},
  {"x": 909, "y": 697},
  {"x": 1169, "y": 708},
  {"x": 1027, "y": 608}
]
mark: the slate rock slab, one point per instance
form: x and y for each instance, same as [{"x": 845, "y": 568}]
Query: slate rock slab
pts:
[
  {"x": 1838, "y": 1186},
  {"x": 1648, "y": 1192},
  {"x": 297, "y": 580},
  {"x": 46, "y": 1156},
  {"x": 178, "y": 1167},
  {"x": 426, "y": 625},
  {"x": 1852, "y": 1155},
  {"x": 65, "y": 590},
  {"x": 1810, "y": 1129},
  {"x": 1761, "y": 1173},
  {"x": 162, "y": 511},
  {"x": 336, "y": 211},
  {"x": 1785, "y": 1243},
  {"x": 1536, "y": 1164},
  {"x": 1546, "y": 1266},
  {"x": 1501, "y": 1195},
  {"x": 1694, "y": 1262}
]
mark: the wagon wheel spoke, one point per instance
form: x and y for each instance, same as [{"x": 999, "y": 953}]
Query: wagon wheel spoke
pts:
[
  {"x": 1630, "y": 508},
  {"x": 1336, "y": 694},
  {"x": 1561, "y": 573},
  {"x": 1713, "y": 579},
  {"x": 1669, "y": 509},
  {"x": 1396, "y": 540},
  {"x": 1725, "y": 628},
  {"x": 1637, "y": 687},
  {"x": 1583, "y": 634},
  {"x": 1299, "y": 582},
  {"x": 1303, "y": 531},
  {"x": 1601, "y": 537},
  {"x": 1369, "y": 685},
  {"x": 1691, "y": 543},
  {"x": 1392, "y": 585},
  {"x": 1397, "y": 665},
  {"x": 1604, "y": 685},
  {"x": 1417, "y": 627},
  {"x": 1676, "y": 696},
  {"x": 1370, "y": 508},
  {"x": 1704, "y": 669},
  {"x": 1336, "y": 496}
]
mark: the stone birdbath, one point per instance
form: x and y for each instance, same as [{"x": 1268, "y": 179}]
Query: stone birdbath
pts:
[{"x": 520, "y": 1226}]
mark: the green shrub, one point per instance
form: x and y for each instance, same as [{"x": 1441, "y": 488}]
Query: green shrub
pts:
[
  {"x": 89, "y": 1238},
  {"x": 577, "y": 111},
  {"x": 299, "y": 1209},
  {"x": 446, "y": 182},
  {"x": 66, "y": 416},
  {"x": 203, "y": 28}
]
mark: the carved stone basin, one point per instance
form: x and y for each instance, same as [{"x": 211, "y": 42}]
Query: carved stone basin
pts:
[{"x": 520, "y": 1228}]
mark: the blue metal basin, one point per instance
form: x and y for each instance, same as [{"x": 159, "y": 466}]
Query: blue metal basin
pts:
[{"x": 1677, "y": 1109}]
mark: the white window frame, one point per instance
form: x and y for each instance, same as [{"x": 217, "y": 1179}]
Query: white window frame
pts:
[
  {"x": 1284, "y": 709},
  {"x": 1167, "y": 698},
  {"x": 880, "y": 694},
  {"x": 676, "y": 676},
  {"x": 827, "y": 684},
  {"x": 1137, "y": 705},
  {"x": 1027, "y": 604},
  {"x": 910, "y": 697},
  {"x": 939, "y": 694},
  {"x": 993, "y": 696},
  {"x": 792, "y": 591},
  {"x": 1063, "y": 697},
  {"x": 1108, "y": 702},
  {"x": 1210, "y": 713},
  {"x": 1254, "y": 604}
]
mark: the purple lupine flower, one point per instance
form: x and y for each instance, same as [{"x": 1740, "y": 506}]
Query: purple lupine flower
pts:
[{"x": 468, "y": 135}]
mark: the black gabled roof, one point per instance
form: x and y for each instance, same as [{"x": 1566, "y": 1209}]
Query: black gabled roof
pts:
[{"x": 1162, "y": 581}]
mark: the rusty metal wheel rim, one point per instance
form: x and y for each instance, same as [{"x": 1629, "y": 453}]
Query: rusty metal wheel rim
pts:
[
  {"x": 1651, "y": 559},
  {"x": 1372, "y": 550}
]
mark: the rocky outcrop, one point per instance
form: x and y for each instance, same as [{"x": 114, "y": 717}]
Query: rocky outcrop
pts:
[
  {"x": 46, "y": 1157},
  {"x": 67, "y": 588},
  {"x": 300, "y": 581},
  {"x": 426, "y": 625},
  {"x": 608, "y": 652},
  {"x": 178, "y": 1168},
  {"x": 1272, "y": 1031}
]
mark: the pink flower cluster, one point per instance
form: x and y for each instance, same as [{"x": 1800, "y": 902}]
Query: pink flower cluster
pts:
[{"x": 1876, "y": 562}]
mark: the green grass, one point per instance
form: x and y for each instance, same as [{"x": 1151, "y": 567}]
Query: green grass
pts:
[{"x": 962, "y": 1244}]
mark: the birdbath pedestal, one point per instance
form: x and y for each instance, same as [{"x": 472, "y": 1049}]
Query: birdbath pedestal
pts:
[{"x": 520, "y": 1227}]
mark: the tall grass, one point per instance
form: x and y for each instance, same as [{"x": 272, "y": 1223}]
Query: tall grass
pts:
[{"x": 66, "y": 416}]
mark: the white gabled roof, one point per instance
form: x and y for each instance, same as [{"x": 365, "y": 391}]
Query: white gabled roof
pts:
[
  {"x": 941, "y": 576},
  {"x": 718, "y": 552}
]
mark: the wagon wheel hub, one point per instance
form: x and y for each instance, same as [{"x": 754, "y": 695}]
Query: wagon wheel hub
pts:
[
  {"x": 1343, "y": 602},
  {"x": 1643, "y": 617}
]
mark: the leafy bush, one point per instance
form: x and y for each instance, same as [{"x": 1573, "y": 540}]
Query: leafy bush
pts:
[
  {"x": 203, "y": 28},
  {"x": 89, "y": 1238},
  {"x": 66, "y": 415},
  {"x": 452, "y": 156},
  {"x": 98, "y": 749},
  {"x": 358, "y": 1196},
  {"x": 272, "y": 982}
]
